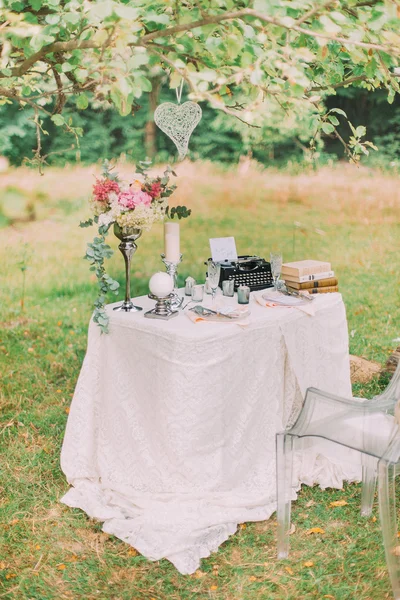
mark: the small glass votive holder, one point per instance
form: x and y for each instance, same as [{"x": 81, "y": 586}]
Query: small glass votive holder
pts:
[
  {"x": 228, "y": 287},
  {"x": 243, "y": 294},
  {"x": 189, "y": 283},
  {"x": 197, "y": 293}
]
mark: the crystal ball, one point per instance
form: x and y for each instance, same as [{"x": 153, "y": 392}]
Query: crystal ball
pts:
[{"x": 161, "y": 284}]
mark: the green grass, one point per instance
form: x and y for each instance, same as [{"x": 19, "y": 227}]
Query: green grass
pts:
[{"x": 50, "y": 551}]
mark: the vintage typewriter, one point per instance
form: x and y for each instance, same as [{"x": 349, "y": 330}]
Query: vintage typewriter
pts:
[{"x": 253, "y": 271}]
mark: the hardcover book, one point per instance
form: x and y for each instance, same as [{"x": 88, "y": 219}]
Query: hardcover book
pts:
[
  {"x": 305, "y": 267},
  {"x": 304, "y": 278},
  {"x": 307, "y": 285},
  {"x": 320, "y": 290}
]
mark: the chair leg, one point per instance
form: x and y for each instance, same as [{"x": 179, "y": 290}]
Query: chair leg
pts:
[
  {"x": 387, "y": 508},
  {"x": 284, "y": 468},
  {"x": 369, "y": 477}
]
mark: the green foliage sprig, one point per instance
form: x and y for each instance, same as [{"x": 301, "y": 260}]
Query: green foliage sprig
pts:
[{"x": 96, "y": 253}]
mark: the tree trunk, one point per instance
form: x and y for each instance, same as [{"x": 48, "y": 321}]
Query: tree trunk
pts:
[{"x": 150, "y": 136}]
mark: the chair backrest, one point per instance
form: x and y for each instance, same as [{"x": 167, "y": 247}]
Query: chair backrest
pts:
[{"x": 392, "y": 392}]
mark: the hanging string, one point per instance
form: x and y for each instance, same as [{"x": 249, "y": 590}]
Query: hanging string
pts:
[{"x": 179, "y": 92}]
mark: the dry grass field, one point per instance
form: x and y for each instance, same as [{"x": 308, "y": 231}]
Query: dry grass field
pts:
[{"x": 47, "y": 551}]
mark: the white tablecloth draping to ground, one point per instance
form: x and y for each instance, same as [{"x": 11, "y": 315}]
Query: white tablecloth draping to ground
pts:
[{"x": 171, "y": 433}]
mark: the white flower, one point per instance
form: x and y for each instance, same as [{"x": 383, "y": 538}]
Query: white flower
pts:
[
  {"x": 106, "y": 218},
  {"x": 138, "y": 177}
]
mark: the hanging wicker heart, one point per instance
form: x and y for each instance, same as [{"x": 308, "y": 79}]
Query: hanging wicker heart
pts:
[{"x": 177, "y": 121}]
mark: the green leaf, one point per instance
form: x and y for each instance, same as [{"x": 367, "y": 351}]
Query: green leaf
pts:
[
  {"x": 360, "y": 131},
  {"x": 126, "y": 12},
  {"x": 58, "y": 120},
  {"x": 82, "y": 101},
  {"x": 72, "y": 18},
  {"x": 36, "y": 4},
  {"x": 144, "y": 83},
  {"x": 66, "y": 67},
  {"x": 327, "y": 128},
  {"x": 52, "y": 19},
  {"x": 40, "y": 40},
  {"x": 334, "y": 120},
  {"x": 153, "y": 17}
]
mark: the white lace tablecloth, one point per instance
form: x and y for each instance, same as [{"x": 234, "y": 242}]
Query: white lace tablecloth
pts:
[{"x": 171, "y": 433}]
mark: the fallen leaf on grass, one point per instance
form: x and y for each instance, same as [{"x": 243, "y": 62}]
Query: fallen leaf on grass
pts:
[
  {"x": 67, "y": 410},
  {"x": 308, "y": 563},
  {"x": 242, "y": 526},
  {"x": 289, "y": 570},
  {"x": 10, "y": 575},
  {"x": 396, "y": 551},
  {"x": 329, "y": 596},
  {"x": 213, "y": 588},
  {"x": 292, "y": 529},
  {"x": 14, "y": 521},
  {"x": 315, "y": 530},
  {"x": 338, "y": 503},
  {"x": 132, "y": 552},
  {"x": 252, "y": 578},
  {"x": 199, "y": 574},
  {"x": 37, "y": 547},
  {"x": 61, "y": 567}
]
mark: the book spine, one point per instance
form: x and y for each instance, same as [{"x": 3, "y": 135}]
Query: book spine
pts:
[
  {"x": 330, "y": 281},
  {"x": 324, "y": 290},
  {"x": 301, "y": 271},
  {"x": 304, "y": 278}
]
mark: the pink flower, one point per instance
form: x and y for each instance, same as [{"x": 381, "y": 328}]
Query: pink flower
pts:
[
  {"x": 133, "y": 198},
  {"x": 102, "y": 188},
  {"x": 155, "y": 189}
]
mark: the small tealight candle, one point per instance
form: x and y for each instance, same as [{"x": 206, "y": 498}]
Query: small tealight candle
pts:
[{"x": 161, "y": 284}]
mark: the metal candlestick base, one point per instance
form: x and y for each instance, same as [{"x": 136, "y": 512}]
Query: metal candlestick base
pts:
[
  {"x": 128, "y": 307},
  {"x": 162, "y": 309},
  {"x": 172, "y": 269}
]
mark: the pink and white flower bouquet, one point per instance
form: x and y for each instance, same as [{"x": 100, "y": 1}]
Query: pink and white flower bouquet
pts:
[{"x": 136, "y": 204}]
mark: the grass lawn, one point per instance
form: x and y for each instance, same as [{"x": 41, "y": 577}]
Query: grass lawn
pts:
[{"x": 49, "y": 551}]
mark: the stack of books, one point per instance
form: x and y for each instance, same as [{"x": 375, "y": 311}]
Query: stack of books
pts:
[{"x": 315, "y": 276}]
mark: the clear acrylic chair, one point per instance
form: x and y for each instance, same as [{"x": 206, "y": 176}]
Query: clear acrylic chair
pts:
[{"x": 370, "y": 429}]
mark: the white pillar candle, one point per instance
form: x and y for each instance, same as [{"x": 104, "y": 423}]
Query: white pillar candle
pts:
[{"x": 171, "y": 242}]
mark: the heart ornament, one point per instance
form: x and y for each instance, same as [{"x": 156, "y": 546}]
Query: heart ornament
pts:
[{"x": 177, "y": 121}]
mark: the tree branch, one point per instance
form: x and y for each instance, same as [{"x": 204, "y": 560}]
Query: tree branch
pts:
[
  {"x": 249, "y": 12},
  {"x": 55, "y": 47},
  {"x": 343, "y": 83},
  {"x": 313, "y": 11},
  {"x": 226, "y": 16}
]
